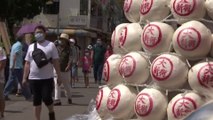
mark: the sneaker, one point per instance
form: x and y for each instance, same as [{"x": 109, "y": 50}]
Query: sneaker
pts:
[
  {"x": 6, "y": 98},
  {"x": 69, "y": 101},
  {"x": 18, "y": 94},
  {"x": 57, "y": 102}
]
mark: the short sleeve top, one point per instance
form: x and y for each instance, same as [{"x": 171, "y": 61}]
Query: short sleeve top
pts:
[{"x": 45, "y": 72}]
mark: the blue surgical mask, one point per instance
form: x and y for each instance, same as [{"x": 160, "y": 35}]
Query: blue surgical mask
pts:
[{"x": 39, "y": 36}]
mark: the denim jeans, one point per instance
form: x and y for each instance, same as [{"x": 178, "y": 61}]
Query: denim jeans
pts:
[
  {"x": 97, "y": 69},
  {"x": 14, "y": 75}
]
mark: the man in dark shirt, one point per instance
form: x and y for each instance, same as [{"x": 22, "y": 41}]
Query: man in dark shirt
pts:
[
  {"x": 65, "y": 65},
  {"x": 98, "y": 60}
]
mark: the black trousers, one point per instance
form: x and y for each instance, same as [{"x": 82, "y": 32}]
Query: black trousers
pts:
[{"x": 98, "y": 69}]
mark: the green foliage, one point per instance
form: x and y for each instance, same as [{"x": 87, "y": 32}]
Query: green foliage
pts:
[
  {"x": 114, "y": 9},
  {"x": 13, "y": 11},
  {"x": 16, "y": 10}
]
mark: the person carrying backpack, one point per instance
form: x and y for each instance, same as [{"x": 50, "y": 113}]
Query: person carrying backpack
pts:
[{"x": 39, "y": 72}]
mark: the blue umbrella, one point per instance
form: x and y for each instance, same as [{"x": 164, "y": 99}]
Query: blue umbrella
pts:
[{"x": 27, "y": 28}]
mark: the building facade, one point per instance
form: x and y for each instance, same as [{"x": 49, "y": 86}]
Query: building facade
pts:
[{"x": 84, "y": 20}]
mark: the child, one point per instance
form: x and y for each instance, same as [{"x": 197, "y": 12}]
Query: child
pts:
[{"x": 86, "y": 67}]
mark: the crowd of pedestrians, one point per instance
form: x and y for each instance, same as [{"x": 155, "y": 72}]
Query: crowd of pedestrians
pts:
[{"x": 37, "y": 84}]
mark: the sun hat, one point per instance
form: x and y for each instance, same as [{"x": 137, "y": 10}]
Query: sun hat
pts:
[{"x": 64, "y": 36}]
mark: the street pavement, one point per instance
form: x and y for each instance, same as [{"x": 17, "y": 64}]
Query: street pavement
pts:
[{"x": 19, "y": 109}]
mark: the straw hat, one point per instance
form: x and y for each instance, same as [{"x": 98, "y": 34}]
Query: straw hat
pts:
[{"x": 64, "y": 36}]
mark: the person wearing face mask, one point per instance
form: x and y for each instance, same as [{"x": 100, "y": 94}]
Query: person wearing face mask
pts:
[
  {"x": 16, "y": 70},
  {"x": 75, "y": 59},
  {"x": 86, "y": 67},
  {"x": 26, "y": 42},
  {"x": 98, "y": 60},
  {"x": 65, "y": 65},
  {"x": 41, "y": 79}
]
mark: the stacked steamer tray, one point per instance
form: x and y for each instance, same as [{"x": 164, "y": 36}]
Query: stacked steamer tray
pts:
[{"x": 161, "y": 68}]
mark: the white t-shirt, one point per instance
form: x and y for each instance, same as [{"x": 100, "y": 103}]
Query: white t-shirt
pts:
[
  {"x": 45, "y": 72},
  {"x": 2, "y": 57}
]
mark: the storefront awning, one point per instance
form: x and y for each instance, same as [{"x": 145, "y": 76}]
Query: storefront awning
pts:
[{"x": 76, "y": 32}]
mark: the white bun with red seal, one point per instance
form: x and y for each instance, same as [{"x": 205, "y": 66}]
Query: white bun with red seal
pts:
[
  {"x": 183, "y": 105},
  {"x": 120, "y": 102},
  {"x": 134, "y": 67},
  {"x": 115, "y": 38},
  {"x": 101, "y": 101},
  {"x": 154, "y": 10},
  {"x": 151, "y": 104},
  {"x": 209, "y": 8},
  {"x": 186, "y": 10},
  {"x": 110, "y": 70},
  {"x": 211, "y": 52},
  {"x": 131, "y": 10},
  {"x": 200, "y": 78},
  {"x": 157, "y": 37},
  {"x": 192, "y": 40},
  {"x": 129, "y": 38},
  {"x": 169, "y": 71}
]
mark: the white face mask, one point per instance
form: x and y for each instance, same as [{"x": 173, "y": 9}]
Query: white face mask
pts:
[
  {"x": 39, "y": 36},
  {"x": 99, "y": 42}
]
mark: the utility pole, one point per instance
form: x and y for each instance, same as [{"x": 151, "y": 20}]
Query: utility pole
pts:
[
  {"x": 58, "y": 19},
  {"x": 89, "y": 14}
]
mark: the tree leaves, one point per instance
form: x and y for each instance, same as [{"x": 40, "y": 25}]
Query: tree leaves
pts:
[
  {"x": 13, "y": 11},
  {"x": 16, "y": 10}
]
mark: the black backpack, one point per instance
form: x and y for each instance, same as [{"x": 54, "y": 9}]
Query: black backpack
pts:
[{"x": 39, "y": 57}]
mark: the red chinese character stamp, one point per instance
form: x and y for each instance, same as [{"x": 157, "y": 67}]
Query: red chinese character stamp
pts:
[
  {"x": 146, "y": 6},
  {"x": 122, "y": 37},
  {"x": 113, "y": 99},
  {"x": 184, "y": 7},
  {"x": 99, "y": 98},
  {"x": 205, "y": 76},
  {"x": 162, "y": 68},
  {"x": 143, "y": 104},
  {"x": 183, "y": 106},
  {"x": 152, "y": 35},
  {"x": 127, "y": 5},
  {"x": 127, "y": 66},
  {"x": 106, "y": 71},
  {"x": 188, "y": 39}
]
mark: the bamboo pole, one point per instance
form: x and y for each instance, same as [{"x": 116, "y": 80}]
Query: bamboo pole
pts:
[{"x": 5, "y": 37}]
